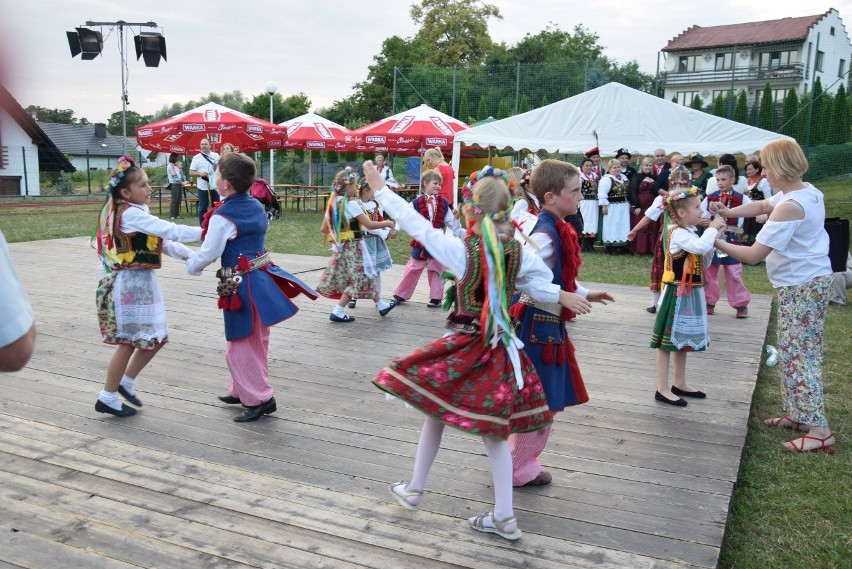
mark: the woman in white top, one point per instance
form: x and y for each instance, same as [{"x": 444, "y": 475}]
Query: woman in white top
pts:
[
  {"x": 795, "y": 246},
  {"x": 615, "y": 210}
]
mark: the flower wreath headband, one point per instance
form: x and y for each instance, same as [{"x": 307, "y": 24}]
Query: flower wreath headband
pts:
[
  {"x": 467, "y": 192},
  {"x": 117, "y": 175},
  {"x": 351, "y": 178},
  {"x": 690, "y": 192}
]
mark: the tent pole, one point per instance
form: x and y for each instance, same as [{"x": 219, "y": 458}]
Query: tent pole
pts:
[{"x": 455, "y": 164}]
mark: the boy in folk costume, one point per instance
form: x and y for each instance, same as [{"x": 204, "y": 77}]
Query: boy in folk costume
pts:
[
  {"x": 438, "y": 210},
  {"x": 737, "y": 293},
  {"x": 542, "y": 326},
  {"x": 254, "y": 293}
]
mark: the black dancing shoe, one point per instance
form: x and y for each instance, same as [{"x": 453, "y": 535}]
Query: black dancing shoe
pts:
[
  {"x": 390, "y": 306},
  {"x": 256, "y": 412},
  {"x": 682, "y": 393},
  {"x": 130, "y": 398},
  {"x": 125, "y": 411},
  {"x": 345, "y": 318},
  {"x": 352, "y": 303},
  {"x": 434, "y": 303},
  {"x": 230, "y": 399},
  {"x": 663, "y": 399},
  {"x": 398, "y": 299}
]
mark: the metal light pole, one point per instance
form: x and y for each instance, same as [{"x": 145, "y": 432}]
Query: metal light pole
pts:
[{"x": 271, "y": 88}]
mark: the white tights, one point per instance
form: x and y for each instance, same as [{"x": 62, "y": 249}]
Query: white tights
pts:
[{"x": 499, "y": 458}]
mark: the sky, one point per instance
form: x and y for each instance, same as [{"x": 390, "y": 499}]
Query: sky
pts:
[{"x": 321, "y": 47}]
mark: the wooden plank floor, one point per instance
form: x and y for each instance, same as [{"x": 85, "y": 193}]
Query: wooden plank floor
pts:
[{"x": 636, "y": 483}]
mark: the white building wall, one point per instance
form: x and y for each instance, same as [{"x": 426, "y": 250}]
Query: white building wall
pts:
[
  {"x": 834, "y": 47},
  {"x": 22, "y": 153}
]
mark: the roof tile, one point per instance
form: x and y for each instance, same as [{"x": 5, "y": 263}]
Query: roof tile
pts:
[{"x": 750, "y": 33}]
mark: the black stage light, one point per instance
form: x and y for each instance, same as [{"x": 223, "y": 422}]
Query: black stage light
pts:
[
  {"x": 88, "y": 42},
  {"x": 150, "y": 46}
]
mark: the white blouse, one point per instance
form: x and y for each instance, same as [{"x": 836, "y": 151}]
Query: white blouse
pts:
[
  {"x": 137, "y": 218},
  {"x": 534, "y": 278},
  {"x": 605, "y": 184},
  {"x": 799, "y": 247}
]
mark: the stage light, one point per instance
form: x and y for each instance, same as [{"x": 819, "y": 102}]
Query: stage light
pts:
[
  {"x": 150, "y": 46},
  {"x": 88, "y": 42}
]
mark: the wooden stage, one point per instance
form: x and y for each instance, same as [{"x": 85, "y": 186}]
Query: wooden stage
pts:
[{"x": 635, "y": 483}]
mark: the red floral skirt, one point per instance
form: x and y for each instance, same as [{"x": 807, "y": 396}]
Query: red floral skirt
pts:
[{"x": 468, "y": 385}]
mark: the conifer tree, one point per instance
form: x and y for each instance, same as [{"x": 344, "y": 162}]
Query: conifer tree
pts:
[
  {"x": 766, "y": 117},
  {"x": 482, "y": 109},
  {"x": 741, "y": 108}
]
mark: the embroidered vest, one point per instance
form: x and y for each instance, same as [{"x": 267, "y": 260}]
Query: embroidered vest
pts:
[
  {"x": 617, "y": 192},
  {"x": 675, "y": 265},
  {"x": 136, "y": 250},
  {"x": 590, "y": 191},
  {"x": 470, "y": 290},
  {"x": 755, "y": 193}
]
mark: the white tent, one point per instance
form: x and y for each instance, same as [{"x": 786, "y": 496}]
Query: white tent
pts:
[{"x": 614, "y": 116}]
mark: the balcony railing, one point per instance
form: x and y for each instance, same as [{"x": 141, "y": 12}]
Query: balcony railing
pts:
[{"x": 793, "y": 71}]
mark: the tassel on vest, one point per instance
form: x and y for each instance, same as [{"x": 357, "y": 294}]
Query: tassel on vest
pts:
[{"x": 517, "y": 310}]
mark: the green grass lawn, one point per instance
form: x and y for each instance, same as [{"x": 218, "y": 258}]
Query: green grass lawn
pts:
[{"x": 788, "y": 510}]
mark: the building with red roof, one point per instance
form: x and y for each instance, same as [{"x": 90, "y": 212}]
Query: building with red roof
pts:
[{"x": 791, "y": 52}]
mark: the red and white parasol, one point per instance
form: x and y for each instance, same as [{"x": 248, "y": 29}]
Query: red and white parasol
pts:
[
  {"x": 183, "y": 133},
  {"x": 313, "y": 132},
  {"x": 408, "y": 132}
]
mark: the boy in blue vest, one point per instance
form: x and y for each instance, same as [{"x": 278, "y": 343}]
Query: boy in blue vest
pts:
[{"x": 253, "y": 292}]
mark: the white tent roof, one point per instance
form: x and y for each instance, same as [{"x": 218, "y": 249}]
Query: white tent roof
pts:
[{"x": 614, "y": 116}]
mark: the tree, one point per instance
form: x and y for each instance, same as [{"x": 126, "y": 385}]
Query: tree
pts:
[
  {"x": 503, "y": 109},
  {"x": 553, "y": 44},
  {"x": 62, "y": 116},
  {"x": 719, "y": 109},
  {"x": 524, "y": 105},
  {"x": 134, "y": 121},
  {"x": 544, "y": 101},
  {"x": 789, "y": 120},
  {"x": 741, "y": 108},
  {"x": 455, "y": 30},
  {"x": 233, "y": 100},
  {"x": 839, "y": 130},
  {"x": 482, "y": 109},
  {"x": 463, "y": 110},
  {"x": 696, "y": 103},
  {"x": 766, "y": 117},
  {"x": 818, "y": 115},
  {"x": 283, "y": 109}
]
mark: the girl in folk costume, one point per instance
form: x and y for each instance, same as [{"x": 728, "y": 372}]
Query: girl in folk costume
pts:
[
  {"x": 131, "y": 310},
  {"x": 678, "y": 180},
  {"x": 254, "y": 293},
  {"x": 589, "y": 207},
  {"x": 377, "y": 257},
  {"x": 681, "y": 324},
  {"x": 612, "y": 197},
  {"x": 438, "y": 210},
  {"x": 526, "y": 208},
  {"x": 641, "y": 195},
  {"x": 344, "y": 223},
  {"x": 542, "y": 325},
  {"x": 476, "y": 378},
  {"x": 736, "y": 291},
  {"x": 758, "y": 189}
]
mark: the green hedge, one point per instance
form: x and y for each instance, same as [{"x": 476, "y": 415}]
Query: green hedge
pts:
[{"x": 828, "y": 161}]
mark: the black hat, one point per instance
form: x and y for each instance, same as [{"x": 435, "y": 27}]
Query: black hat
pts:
[
  {"x": 621, "y": 151},
  {"x": 696, "y": 157}
]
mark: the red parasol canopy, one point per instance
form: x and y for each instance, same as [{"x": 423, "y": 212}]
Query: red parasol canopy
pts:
[
  {"x": 314, "y": 132},
  {"x": 408, "y": 132},
  {"x": 183, "y": 133}
]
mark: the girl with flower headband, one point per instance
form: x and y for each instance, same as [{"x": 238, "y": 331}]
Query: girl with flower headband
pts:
[
  {"x": 344, "y": 223},
  {"x": 526, "y": 209},
  {"x": 681, "y": 324},
  {"x": 678, "y": 180},
  {"x": 131, "y": 311},
  {"x": 475, "y": 379}
]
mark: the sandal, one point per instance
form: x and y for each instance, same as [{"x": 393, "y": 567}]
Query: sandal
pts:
[
  {"x": 801, "y": 447},
  {"x": 478, "y": 523},
  {"x": 401, "y": 492},
  {"x": 778, "y": 422}
]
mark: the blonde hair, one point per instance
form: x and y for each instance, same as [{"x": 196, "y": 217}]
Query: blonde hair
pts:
[
  {"x": 785, "y": 159},
  {"x": 552, "y": 176},
  {"x": 648, "y": 161},
  {"x": 515, "y": 175},
  {"x": 430, "y": 175},
  {"x": 434, "y": 154},
  {"x": 677, "y": 201},
  {"x": 491, "y": 195},
  {"x": 613, "y": 162},
  {"x": 727, "y": 171}
]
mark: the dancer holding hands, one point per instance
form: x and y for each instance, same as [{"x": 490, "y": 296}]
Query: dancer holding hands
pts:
[{"x": 476, "y": 378}]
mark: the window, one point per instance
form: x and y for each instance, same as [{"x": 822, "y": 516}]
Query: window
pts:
[
  {"x": 818, "y": 63},
  {"x": 721, "y": 93},
  {"x": 841, "y": 69},
  {"x": 778, "y": 95},
  {"x": 779, "y": 58},
  {"x": 724, "y": 61},
  {"x": 832, "y": 30},
  {"x": 687, "y": 64},
  {"x": 685, "y": 97}
]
